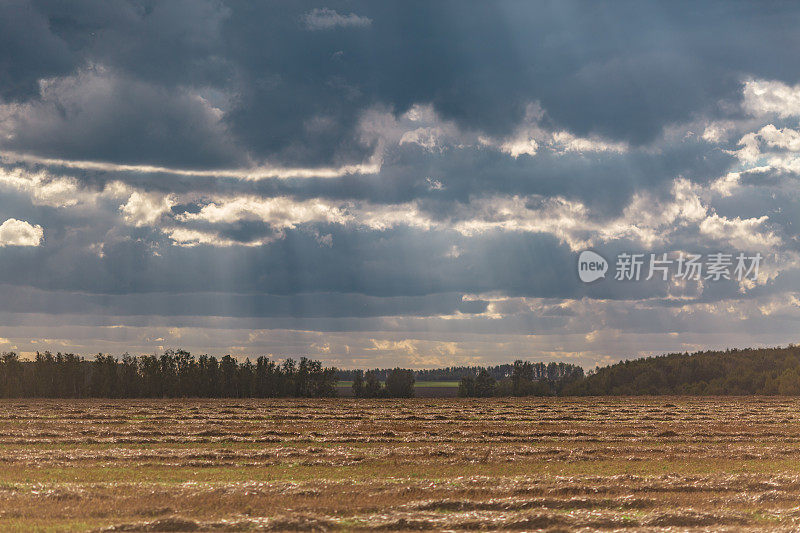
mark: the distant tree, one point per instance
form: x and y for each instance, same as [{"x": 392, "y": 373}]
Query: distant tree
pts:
[
  {"x": 169, "y": 374},
  {"x": 324, "y": 382},
  {"x": 228, "y": 373},
  {"x": 130, "y": 382},
  {"x": 312, "y": 380},
  {"x": 528, "y": 379},
  {"x": 150, "y": 373},
  {"x": 186, "y": 374},
  {"x": 485, "y": 384},
  {"x": 372, "y": 386},
  {"x": 104, "y": 381},
  {"x": 11, "y": 374},
  {"x": 466, "y": 388},
  {"x": 246, "y": 378},
  {"x": 289, "y": 377},
  {"x": 400, "y": 383},
  {"x": 521, "y": 377},
  {"x": 44, "y": 375},
  {"x": 209, "y": 382},
  {"x": 789, "y": 382},
  {"x": 267, "y": 378},
  {"x": 358, "y": 384}
]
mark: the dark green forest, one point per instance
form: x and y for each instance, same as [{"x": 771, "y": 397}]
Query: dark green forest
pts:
[{"x": 749, "y": 371}]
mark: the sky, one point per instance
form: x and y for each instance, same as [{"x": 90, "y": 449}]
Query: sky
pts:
[{"x": 374, "y": 184}]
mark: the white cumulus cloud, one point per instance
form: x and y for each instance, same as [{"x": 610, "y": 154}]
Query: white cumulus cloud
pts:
[
  {"x": 15, "y": 232},
  {"x": 763, "y": 97}
]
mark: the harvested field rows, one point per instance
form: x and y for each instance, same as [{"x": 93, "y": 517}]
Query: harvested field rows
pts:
[{"x": 423, "y": 464}]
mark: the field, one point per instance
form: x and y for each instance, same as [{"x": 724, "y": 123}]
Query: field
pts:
[
  {"x": 637, "y": 464},
  {"x": 422, "y": 389}
]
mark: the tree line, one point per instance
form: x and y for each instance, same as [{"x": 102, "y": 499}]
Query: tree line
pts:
[
  {"x": 174, "y": 374},
  {"x": 399, "y": 384},
  {"x": 539, "y": 371},
  {"x": 522, "y": 378},
  {"x": 177, "y": 373},
  {"x": 748, "y": 371}
]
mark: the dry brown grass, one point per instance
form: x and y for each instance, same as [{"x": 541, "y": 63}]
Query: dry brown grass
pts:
[{"x": 424, "y": 464}]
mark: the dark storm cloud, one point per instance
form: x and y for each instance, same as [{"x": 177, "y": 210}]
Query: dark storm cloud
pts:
[
  {"x": 480, "y": 64},
  {"x": 29, "y": 50},
  {"x": 175, "y": 43},
  {"x": 96, "y": 115},
  {"x": 294, "y": 95}
]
